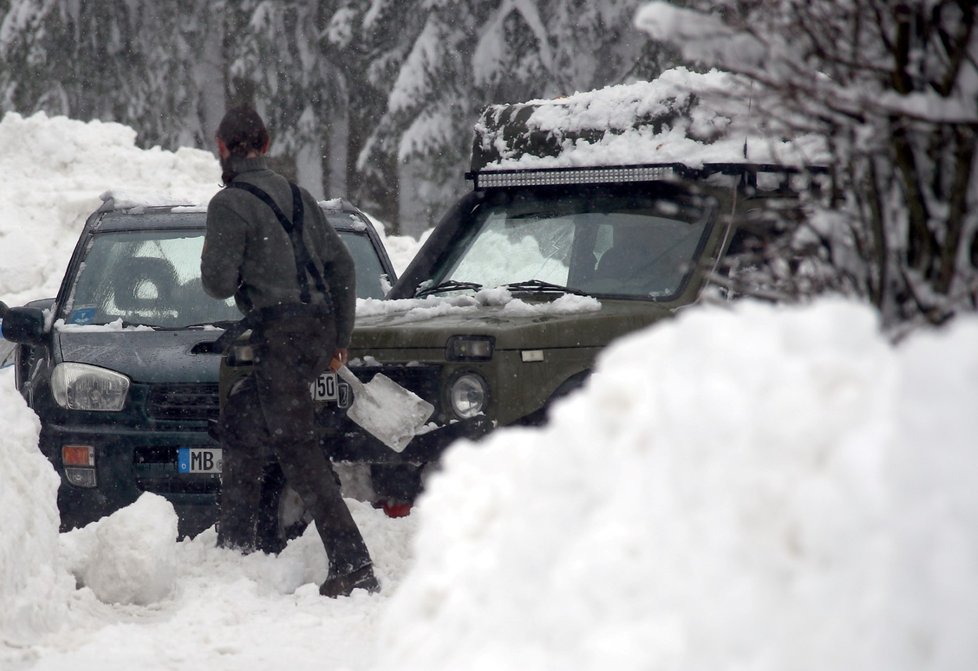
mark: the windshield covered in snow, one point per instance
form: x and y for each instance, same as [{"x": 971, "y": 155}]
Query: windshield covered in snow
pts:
[
  {"x": 152, "y": 277},
  {"x": 595, "y": 240}
]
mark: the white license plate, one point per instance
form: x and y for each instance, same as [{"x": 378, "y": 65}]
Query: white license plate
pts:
[
  {"x": 199, "y": 460},
  {"x": 324, "y": 388}
]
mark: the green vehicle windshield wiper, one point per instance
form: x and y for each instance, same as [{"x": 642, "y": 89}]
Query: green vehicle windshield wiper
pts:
[
  {"x": 448, "y": 285},
  {"x": 540, "y": 285}
]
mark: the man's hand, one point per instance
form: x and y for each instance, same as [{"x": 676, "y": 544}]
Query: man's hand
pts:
[{"x": 340, "y": 357}]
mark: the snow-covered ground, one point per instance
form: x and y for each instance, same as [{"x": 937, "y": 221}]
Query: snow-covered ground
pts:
[{"x": 749, "y": 488}]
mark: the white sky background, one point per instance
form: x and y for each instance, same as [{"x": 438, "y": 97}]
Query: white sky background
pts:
[{"x": 753, "y": 488}]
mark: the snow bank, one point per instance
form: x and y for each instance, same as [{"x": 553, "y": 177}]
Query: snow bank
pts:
[
  {"x": 128, "y": 557},
  {"x": 32, "y": 582},
  {"x": 55, "y": 170},
  {"x": 756, "y": 488}
]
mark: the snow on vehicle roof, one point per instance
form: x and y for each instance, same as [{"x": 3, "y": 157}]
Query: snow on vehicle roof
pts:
[
  {"x": 332, "y": 204},
  {"x": 680, "y": 117},
  {"x": 136, "y": 199}
]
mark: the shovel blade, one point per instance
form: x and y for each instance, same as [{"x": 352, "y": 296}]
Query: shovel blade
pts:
[{"x": 389, "y": 412}]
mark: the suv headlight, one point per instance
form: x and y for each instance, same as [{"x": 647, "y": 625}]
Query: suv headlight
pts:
[
  {"x": 78, "y": 386},
  {"x": 468, "y": 395}
]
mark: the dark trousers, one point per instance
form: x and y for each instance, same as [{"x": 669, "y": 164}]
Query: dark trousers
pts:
[{"x": 272, "y": 416}]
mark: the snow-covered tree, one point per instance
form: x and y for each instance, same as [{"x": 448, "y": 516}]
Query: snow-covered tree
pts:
[
  {"x": 134, "y": 61},
  {"x": 450, "y": 59},
  {"x": 893, "y": 86},
  {"x": 360, "y": 95}
]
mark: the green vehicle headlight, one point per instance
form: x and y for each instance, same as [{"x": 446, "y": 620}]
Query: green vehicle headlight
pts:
[
  {"x": 468, "y": 395},
  {"x": 78, "y": 386},
  {"x": 469, "y": 348}
]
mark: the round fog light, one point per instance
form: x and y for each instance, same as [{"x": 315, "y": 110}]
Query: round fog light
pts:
[{"x": 468, "y": 395}]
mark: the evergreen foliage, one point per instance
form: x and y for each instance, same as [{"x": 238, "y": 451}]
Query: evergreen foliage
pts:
[
  {"x": 894, "y": 87},
  {"x": 374, "y": 85}
]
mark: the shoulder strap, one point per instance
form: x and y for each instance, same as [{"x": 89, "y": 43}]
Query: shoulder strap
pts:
[{"x": 303, "y": 260}]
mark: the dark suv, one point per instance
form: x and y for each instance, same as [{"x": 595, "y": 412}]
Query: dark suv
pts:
[{"x": 121, "y": 366}]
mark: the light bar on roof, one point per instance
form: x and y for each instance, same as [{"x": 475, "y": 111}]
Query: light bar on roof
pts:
[{"x": 486, "y": 180}]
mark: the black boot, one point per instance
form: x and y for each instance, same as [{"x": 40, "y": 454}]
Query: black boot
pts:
[{"x": 343, "y": 584}]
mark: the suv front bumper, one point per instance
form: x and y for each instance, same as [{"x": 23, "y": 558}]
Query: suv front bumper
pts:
[{"x": 127, "y": 463}]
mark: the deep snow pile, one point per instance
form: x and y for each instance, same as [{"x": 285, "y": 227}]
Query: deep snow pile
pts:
[
  {"x": 33, "y": 586},
  {"x": 749, "y": 488},
  {"x": 758, "y": 488},
  {"x": 128, "y": 557},
  {"x": 54, "y": 172}
]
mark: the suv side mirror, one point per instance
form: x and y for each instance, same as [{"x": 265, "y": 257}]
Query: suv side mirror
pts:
[{"x": 24, "y": 326}]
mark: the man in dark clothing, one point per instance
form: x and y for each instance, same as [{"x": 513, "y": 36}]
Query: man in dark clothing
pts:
[{"x": 269, "y": 245}]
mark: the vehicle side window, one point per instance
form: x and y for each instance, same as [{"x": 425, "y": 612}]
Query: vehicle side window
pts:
[
  {"x": 647, "y": 254},
  {"x": 372, "y": 281}
]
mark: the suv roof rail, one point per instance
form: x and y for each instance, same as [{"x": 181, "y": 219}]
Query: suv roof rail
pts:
[{"x": 115, "y": 202}]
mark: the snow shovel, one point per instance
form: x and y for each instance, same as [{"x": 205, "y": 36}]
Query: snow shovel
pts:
[{"x": 389, "y": 412}]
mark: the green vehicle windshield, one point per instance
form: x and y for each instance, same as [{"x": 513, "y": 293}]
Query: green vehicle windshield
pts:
[{"x": 599, "y": 240}]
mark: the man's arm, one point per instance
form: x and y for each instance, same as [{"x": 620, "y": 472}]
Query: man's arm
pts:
[
  {"x": 223, "y": 253},
  {"x": 341, "y": 276}
]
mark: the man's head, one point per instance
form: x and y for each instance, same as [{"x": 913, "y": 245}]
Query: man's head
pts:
[{"x": 241, "y": 134}]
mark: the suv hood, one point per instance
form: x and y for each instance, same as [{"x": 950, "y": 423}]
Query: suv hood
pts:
[
  {"x": 145, "y": 356},
  {"x": 512, "y": 329}
]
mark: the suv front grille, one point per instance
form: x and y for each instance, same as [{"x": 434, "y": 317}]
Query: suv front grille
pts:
[
  {"x": 422, "y": 379},
  {"x": 183, "y": 401}
]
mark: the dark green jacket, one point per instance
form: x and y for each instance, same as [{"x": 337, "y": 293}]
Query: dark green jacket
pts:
[{"x": 247, "y": 254}]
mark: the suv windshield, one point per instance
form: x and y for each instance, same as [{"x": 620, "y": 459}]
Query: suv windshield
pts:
[
  {"x": 599, "y": 240},
  {"x": 152, "y": 277},
  {"x": 145, "y": 277}
]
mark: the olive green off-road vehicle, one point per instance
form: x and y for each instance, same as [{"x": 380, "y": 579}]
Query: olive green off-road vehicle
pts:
[{"x": 559, "y": 249}]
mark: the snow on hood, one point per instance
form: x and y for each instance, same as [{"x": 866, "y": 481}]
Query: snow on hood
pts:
[{"x": 422, "y": 309}]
